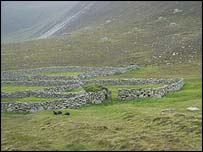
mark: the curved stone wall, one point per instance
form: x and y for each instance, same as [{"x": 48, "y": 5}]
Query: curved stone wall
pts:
[
  {"x": 171, "y": 84},
  {"x": 41, "y": 83},
  {"x": 85, "y": 82},
  {"x": 129, "y": 94},
  {"x": 131, "y": 81},
  {"x": 21, "y": 75},
  {"x": 29, "y": 93},
  {"x": 74, "y": 102},
  {"x": 46, "y": 92},
  {"x": 54, "y": 78}
]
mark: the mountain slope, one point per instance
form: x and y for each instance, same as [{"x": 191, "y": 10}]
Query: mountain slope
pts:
[
  {"x": 27, "y": 20},
  {"x": 117, "y": 34},
  {"x": 72, "y": 15}
]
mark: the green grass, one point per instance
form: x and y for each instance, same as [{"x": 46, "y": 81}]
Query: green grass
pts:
[
  {"x": 27, "y": 99},
  {"x": 162, "y": 71},
  {"x": 87, "y": 88},
  {"x": 73, "y": 73},
  {"x": 20, "y": 88},
  {"x": 116, "y": 125},
  {"x": 93, "y": 88}
]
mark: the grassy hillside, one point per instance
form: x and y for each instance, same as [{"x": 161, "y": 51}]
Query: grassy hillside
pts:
[
  {"x": 119, "y": 34},
  {"x": 164, "y": 38},
  {"x": 114, "y": 125}
]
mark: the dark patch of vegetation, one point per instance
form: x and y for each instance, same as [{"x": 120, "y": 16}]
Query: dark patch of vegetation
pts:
[{"x": 94, "y": 88}]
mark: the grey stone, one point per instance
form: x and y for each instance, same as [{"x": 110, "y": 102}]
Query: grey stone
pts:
[
  {"x": 192, "y": 108},
  {"x": 75, "y": 100}
]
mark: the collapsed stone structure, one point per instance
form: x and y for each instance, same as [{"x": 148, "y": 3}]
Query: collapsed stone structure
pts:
[{"x": 74, "y": 100}]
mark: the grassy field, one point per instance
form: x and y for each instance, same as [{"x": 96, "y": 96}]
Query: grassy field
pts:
[
  {"x": 20, "y": 88},
  {"x": 27, "y": 99},
  {"x": 115, "y": 125}
]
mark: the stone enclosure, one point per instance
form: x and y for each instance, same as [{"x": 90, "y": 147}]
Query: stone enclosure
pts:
[{"x": 58, "y": 84}]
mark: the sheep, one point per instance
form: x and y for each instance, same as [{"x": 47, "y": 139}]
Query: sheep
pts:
[
  {"x": 67, "y": 113},
  {"x": 57, "y": 113}
]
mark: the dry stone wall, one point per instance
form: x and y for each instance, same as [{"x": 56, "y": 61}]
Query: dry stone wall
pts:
[
  {"x": 46, "y": 92},
  {"x": 129, "y": 94},
  {"x": 55, "y": 78},
  {"x": 29, "y": 93},
  {"x": 40, "y": 83},
  {"x": 58, "y": 84},
  {"x": 74, "y": 102},
  {"x": 22, "y": 75},
  {"x": 130, "y": 81}
]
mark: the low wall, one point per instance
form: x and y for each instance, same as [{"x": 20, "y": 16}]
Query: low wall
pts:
[
  {"x": 67, "y": 69},
  {"x": 41, "y": 83},
  {"x": 46, "y": 92},
  {"x": 85, "y": 82},
  {"x": 53, "y": 92},
  {"x": 74, "y": 102},
  {"x": 29, "y": 93},
  {"x": 130, "y": 81},
  {"x": 129, "y": 94},
  {"x": 54, "y": 78},
  {"x": 22, "y": 75}
]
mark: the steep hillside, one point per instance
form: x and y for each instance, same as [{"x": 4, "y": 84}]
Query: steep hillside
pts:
[
  {"x": 28, "y": 20},
  {"x": 116, "y": 34}
]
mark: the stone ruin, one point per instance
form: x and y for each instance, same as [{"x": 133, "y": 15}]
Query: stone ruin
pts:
[{"x": 75, "y": 100}]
